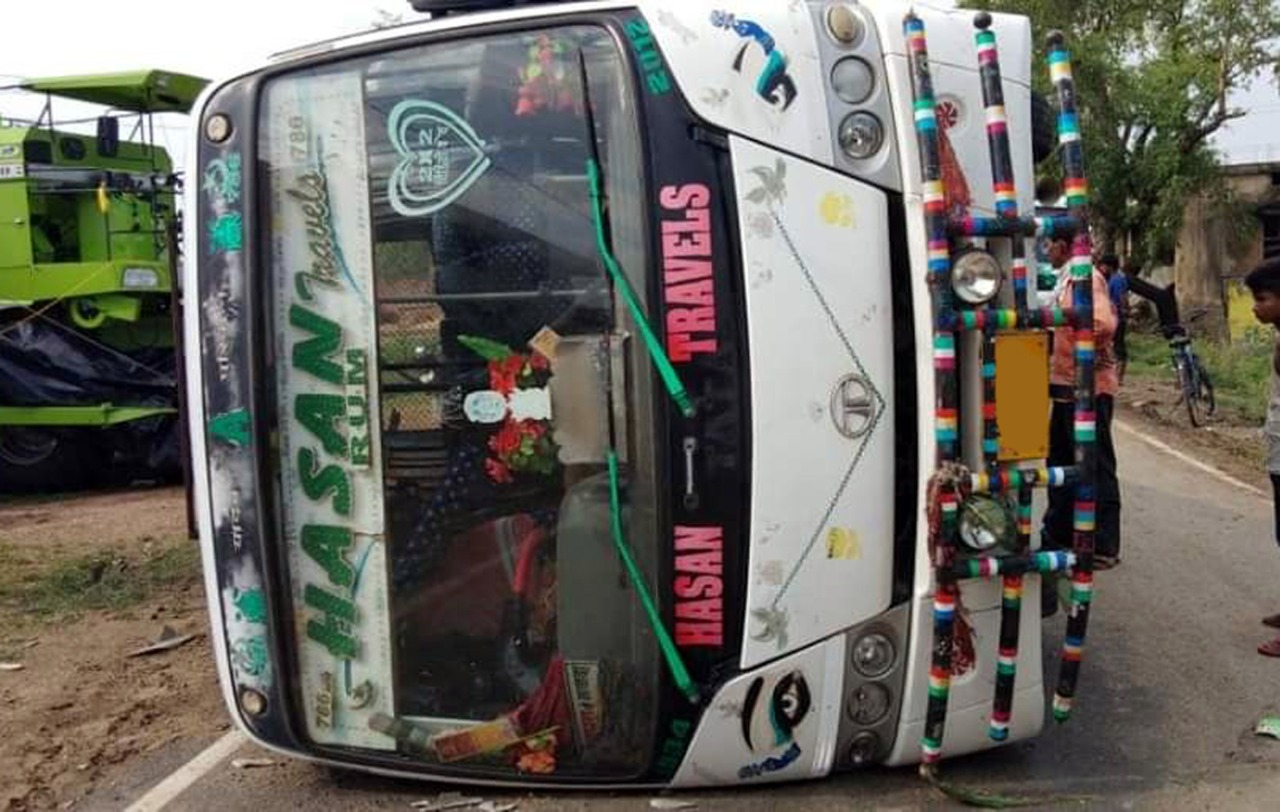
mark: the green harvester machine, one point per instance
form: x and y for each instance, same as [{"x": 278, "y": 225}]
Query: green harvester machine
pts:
[{"x": 89, "y": 241}]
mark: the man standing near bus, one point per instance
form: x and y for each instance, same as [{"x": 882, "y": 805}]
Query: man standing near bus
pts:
[
  {"x": 1264, "y": 283},
  {"x": 1118, "y": 288},
  {"x": 1056, "y": 530}
]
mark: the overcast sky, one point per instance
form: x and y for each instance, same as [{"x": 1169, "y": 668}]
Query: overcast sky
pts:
[{"x": 50, "y": 37}]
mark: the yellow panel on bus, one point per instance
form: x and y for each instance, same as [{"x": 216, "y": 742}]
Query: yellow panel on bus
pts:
[{"x": 1022, "y": 395}]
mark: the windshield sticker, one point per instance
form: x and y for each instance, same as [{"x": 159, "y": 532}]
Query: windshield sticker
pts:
[
  {"x": 333, "y": 513},
  {"x": 699, "y": 586},
  {"x": 231, "y": 428},
  {"x": 441, "y": 157},
  {"x": 650, "y": 58},
  {"x": 221, "y": 180},
  {"x": 687, "y": 268},
  {"x": 245, "y": 618},
  {"x": 226, "y": 233},
  {"x": 770, "y": 718},
  {"x": 773, "y": 84}
]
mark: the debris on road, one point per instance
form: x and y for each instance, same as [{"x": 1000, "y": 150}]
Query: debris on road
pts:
[
  {"x": 11, "y": 666},
  {"x": 445, "y": 801},
  {"x": 671, "y": 803},
  {"x": 456, "y": 800},
  {"x": 168, "y": 640},
  {"x": 248, "y": 763},
  {"x": 1268, "y": 726}
]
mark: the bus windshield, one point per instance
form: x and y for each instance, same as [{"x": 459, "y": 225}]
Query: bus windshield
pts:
[{"x": 453, "y": 368}]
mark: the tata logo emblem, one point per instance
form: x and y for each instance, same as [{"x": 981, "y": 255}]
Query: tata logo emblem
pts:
[{"x": 853, "y": 406}]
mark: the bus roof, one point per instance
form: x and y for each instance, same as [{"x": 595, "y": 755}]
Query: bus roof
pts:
[{"x": 143, "y": 91}]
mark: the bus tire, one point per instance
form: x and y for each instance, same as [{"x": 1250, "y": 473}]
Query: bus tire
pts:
[{"x": 34, "y": 459}]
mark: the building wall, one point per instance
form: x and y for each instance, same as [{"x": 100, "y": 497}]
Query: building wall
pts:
[{"x": 1208, "y": 266}]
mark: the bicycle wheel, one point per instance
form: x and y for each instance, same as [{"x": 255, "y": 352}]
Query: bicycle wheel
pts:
[
  {"x": 1193, "y": 387},
  {"x": 1206, "y": 389}
]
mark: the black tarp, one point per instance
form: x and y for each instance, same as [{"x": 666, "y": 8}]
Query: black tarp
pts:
[{"x": 44, "y": 363}]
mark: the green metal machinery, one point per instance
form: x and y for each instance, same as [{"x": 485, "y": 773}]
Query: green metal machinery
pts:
[{"x": 88, "y": 262}]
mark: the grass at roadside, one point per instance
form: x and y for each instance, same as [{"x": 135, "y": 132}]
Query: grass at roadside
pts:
[
  {"x": 50, "y": 590},
  {"x": 1240, "y": 372}
]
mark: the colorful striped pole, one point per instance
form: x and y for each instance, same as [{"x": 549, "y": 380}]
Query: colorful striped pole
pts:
[
  {"x": 1004, "y": 187},
  {"x": 944, "y": 359},
  {"x": 1002, "y": 178},
  {"x": 1077, "y": 192}
]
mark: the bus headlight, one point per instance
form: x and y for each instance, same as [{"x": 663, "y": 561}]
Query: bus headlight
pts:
[
  {"x": 844, "y": 24},
  {"x": 861, "y": 135},
  {"x": 863, "y": 748},
  {"x": 853, "y": 80},
  {"x": 873, "y": 655},
  {"x": 869, "y": 703},
  {"x": 985, "y": 523},
  {"x": 975, "y": 276}
]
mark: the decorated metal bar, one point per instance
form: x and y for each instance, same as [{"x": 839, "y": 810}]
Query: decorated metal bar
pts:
[
  {"x": 1085, "y": 417},
  {"x": 1044, "y": 561},
  {"x": 1009, "y": 319},
  {"x": 1012, "y": 226},
  {"x": 944, "y": 496},
  {"x": 1008, "y": 480},
  {"x": 1002, "y": 179},
  {"x": 1004, "y": 188}
]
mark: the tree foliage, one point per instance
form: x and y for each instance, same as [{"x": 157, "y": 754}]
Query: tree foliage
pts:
[{"x": 1154, "y": 79}]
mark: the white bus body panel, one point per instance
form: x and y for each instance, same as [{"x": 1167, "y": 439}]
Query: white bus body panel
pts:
[
  {"x": 739, "y": 740},
  {"x": 701, "y": 56},
  {"x": 815, "y": 248}
]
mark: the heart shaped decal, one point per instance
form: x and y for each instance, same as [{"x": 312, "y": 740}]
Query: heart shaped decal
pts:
[{"x": 440, "y": 157}]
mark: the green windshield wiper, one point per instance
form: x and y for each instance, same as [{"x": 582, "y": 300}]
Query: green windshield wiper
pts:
[
  {"x": 670, "y": 653},
  {"x": 656, "y": 352}
]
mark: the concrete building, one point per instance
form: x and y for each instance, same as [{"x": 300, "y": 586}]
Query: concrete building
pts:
[{"x": 1211, "y": 258}]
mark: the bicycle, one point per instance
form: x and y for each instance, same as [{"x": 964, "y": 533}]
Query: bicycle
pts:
[
  {"x": 1193, "y": 379},
  {"x": 1194, "y": 384}
]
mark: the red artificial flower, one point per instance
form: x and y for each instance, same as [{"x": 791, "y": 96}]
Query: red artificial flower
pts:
[
  {"x": 502, "y": 379},
  {"x": 539, "y": 363},
  {"x": 507, "y": 441},
  {"x": 497, "y": 471}
]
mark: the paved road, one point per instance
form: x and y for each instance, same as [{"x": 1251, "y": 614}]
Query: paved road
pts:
[{"x": 1170, "y": 691}]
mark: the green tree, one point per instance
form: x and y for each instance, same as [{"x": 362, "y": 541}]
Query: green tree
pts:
[{"x": 1153, "y": 82}]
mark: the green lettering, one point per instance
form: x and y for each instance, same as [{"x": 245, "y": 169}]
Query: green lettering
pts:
[
  {"x": 318, "y": 413},
  {"x": 360, "y": 450},
  {"x": 319, "y": 484},
  {"x": 357, "y": 411},
  {"x": 357, "y": 367},
  {"x": 334, "y": 631},
  {"x": 327, "y": 545},
  {"x": 313, "y": 354}
]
